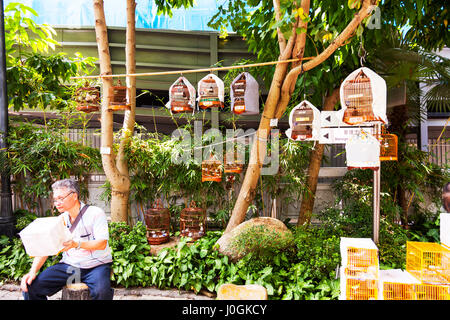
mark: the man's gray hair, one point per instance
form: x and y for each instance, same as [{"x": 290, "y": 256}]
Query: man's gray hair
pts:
[{"x": 69, "y": 184}]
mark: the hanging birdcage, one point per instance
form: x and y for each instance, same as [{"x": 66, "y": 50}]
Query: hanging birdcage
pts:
[
  {"x": 157, "y": 220},
  {"x": 363, "y": 95},
  {"x": 118, "y": 99},
  {"x": 304, "y": 122},
  {"x": 388, "y": 147},
  {"x": 363, "y": 151},
  {"x": 193, "y": 222},
  {"x": 244, "y": 94},
  {"x": 212, "y": 169},
  {"x": 211, "y": 92},
  {"x": 232, "y": 165},
  {"x": 87, "y": 98},
  {"x": 181, "y": 96}
]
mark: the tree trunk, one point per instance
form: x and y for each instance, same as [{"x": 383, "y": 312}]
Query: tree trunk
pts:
[
  {"x": 116, "y": 173},
  {"x": 279, "y": 95},
  {"x": 309, "y": 196}
]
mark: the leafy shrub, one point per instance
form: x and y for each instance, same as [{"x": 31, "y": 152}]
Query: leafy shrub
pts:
[{"x": 129, "y": 249}]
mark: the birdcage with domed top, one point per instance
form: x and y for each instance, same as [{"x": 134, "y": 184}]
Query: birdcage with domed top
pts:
[
  {"x": 157, "y": 220},
  {"x": 181, "y": 96},
  {"x": 193, "y": 222},
  {"x": 211, "y": 92},
  {"x": 87, "y": 98},
  {"x": 363, "y": 96}
]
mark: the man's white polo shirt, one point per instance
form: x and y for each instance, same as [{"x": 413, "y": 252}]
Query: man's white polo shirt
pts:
[{"x": 92, "y": 226}]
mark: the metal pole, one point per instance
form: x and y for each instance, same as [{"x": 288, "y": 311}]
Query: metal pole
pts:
[
  {"x": 7, "y": 219},
  {"x": 376, "y": 194}
]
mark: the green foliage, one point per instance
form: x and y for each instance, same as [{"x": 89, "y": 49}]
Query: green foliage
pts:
[
  {"x": 38, "y": 157},
  {"x": 14, "y": 261},
  {"x": 36, "y": 79},
  {"x": 199, "y": 265},
  {"x": 261, "y": 241},
  {"x": 129, "y": 248}
]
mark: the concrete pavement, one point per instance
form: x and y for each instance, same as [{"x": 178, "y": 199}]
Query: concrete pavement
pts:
[{"x": 12, "y": 291}]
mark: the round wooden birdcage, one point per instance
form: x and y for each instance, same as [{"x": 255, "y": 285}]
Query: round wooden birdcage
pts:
[
  {"x": 118, "y": 99},
  {"x": 358, "y": 100},
  {"x": 212, "y": 169},
  {"x": 180, "y": 98},
  {"x": 209, "y": 94},
  {"x": 157, "y": 220},
  {"x": 388, "y": 146},
  {"x": 87, "y": 98},
  {"x": 302, "y": 122},
  {"x": 193, "y": 222}
]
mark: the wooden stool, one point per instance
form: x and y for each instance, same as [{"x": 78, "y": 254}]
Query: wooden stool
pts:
[{"x": 76, "y": 291}]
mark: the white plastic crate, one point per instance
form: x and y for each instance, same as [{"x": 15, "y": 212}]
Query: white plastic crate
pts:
[{"x": 45, "y": 236}]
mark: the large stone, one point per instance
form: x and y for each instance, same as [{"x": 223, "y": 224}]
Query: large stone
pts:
[
  {"x": 230, "y": 291},
  {"x": 257, "y": 235}
]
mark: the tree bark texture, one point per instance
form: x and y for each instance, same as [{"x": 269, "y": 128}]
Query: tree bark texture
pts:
[
  {"x": 280, "y": 92},
  {"x": 117, "y": 174},
  {"x": 309, "y": 196}
]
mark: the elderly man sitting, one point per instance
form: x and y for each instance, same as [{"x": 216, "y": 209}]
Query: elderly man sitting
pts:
[{"x": 86, "y": 258}]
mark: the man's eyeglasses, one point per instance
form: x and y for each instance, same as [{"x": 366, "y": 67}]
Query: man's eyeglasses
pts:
[{"x": 61, "y": 199}]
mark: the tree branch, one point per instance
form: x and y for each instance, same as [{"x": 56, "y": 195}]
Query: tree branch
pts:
[
  {"x": 281, "y": 38},
  {"x": 286, "y": 90}
]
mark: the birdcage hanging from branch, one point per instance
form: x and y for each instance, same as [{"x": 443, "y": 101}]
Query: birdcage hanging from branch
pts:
[
  {"x": 210, "y": 92},
  {"x": 363, "y": 96},
  {"x": 118, "y": 97},
  {"x": 87, "y": 98},
  {"x": 193, "y": 222},
  {"x": 304, "y": 122},
  {"x": 157, "y": 220},
  {"x": 181, "y": 96},
  {"x": 244, "y": 94},
  {"x": 212, "y": 169}
]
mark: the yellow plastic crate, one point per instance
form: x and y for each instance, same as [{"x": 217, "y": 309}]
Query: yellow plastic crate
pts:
[
  {"x": 362, "y": 261},
  {"x": 429, "y": 262},
  {"x": 408, "y": 291},
  {"x": 358, "y": 289}
]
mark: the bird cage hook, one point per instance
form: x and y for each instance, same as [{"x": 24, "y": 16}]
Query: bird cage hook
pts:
[
  {"x": 362, "y": 53},
  {"x": 304, "y": 82}
]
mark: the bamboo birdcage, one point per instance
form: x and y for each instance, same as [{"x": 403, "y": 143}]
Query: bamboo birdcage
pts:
[
  {"x": 209, "y": 94},
  {"x": 87, "y": 98},
  {"x": 193, "y": 222},
  {"x": 358, "y": 100},
  {"x": 388, "y": 147},
  {"x": 118, "y": 97},
  {"x": 232, "y": 166},
  {"x": 212, "y": 169},
  {"x": 302, "y": 122},
  {"x": 238, "y": 95},
  {"x": 180, "y": 97},
  {"x": 157, "y": 220}
]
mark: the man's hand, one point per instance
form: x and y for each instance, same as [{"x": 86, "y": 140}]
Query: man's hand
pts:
[
  {"x": 69, "y": 245},
  {"x": 27, "y": 279}
]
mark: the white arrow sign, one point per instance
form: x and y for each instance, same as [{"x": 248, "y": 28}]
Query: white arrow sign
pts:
[{"x": 339, "y": 135}]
